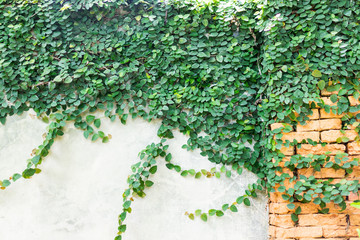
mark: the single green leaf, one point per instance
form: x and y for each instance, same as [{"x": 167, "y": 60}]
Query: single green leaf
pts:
[
  {"x": 153, "y": 169},
  {"x": 294, "y": 217},
  {"x": 316, "y": 73},
  {"x": 219, "y": 213},
  {"x": 204, "y": 217},
  {"x": 321, "y": 84},
  {"x": 149, "y": 183},
  {"x": 126, "y": 204},
  {"x": 97, "y": 123},
  {"x": 233, "y": 208},
  {"x": 247, "y": 202}
]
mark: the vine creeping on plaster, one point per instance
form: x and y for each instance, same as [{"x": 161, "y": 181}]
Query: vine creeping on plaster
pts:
[{"x": 219, "y": 71}]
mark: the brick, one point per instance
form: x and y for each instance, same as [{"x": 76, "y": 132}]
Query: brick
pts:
[
  {"x": 353, "y": 101},
  {"x": 333, "y": 208},
  {"x": 355, "y": 174},
  {"x": 354, "y": 196},
  {"x": 299, "y": 232},
  {"x": 279, "y": 125},
  {"x": 276, "y": 197},
  {"x": 299, "y": 136},
  {"x": 353, "y": 148},
  {"x": 309, "y": 126},
  {"x": 313, "y": 116},
  {"x": 332, "y": 135},
  {"x": 281, "y": 162},
  {"x": 287, "y": 184},
  {"x": 327, "y": 101},
  {"x": 319, "y": 125},
  {"x": 324, "y": 173},
  {"x": 343, "y": 160},
  {"x": 355, "y": 219},
  {"x": 272, "y": 231},
  {"x": 288, "y": 151},
  {"x": 285, "y": 170},
  {"x": 318, "y": 149},
  {"x": 281, "y": 220},
  {"x": 324, "y": 114},
  {"x": 322, "y": 238},
  {"x": 322, "y": 219},
  {"x": 326, "y": 93},
  {"x": 311, "y": 208},
  {"x": 340, "y": 231},
  {"x": 282, "y": 239},
  {"x": 335, "y": 181},
  {"x": 281, "y": 208},
  {"x": 328, "y": 124}
]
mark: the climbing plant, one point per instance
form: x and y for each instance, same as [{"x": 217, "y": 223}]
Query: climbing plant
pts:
[{"x": 219, "y": 72}]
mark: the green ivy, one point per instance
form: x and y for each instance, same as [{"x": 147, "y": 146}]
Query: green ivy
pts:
[{"x": 218, "y": 71}]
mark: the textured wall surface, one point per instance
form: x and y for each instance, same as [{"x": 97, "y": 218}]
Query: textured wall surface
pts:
[
  {"x": 337, "y": 225},
  {"x": 78, "y": 194}
]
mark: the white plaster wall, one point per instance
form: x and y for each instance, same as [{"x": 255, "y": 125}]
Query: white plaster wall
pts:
[{"x": 78, "y": 194}]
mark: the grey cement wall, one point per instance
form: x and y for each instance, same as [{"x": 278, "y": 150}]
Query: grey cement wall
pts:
[{"x": 78, "y": 194}]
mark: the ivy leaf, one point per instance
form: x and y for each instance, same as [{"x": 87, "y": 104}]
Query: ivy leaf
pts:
[
  {"x": 198, "y": 212},
  {"x": 182, "y": 40},
  {"x": 90, "y": 118},
  {"x": 122, "y": 228},
  {"x": 246, "y": 201},
  {"x": 233, "y": 208},
  {"x": 126, "y": 204},
  {"x": 153, "y": 169},
  {"x": 316, "y": 73},
  {"x": 149, "y": 183},
  {"x": 168, "y": 157},
  {"x": 5, "y": 183},
  {"x": 355, "y": 204},
  {"x": 219, "y": 58},
  {"x": 16, "y": 177},
  {"x": 294, "y": 217},
  {"x": 225, "y": 207},
  {"x": 28, "y": 173},
  {"x": 219, "y": 213},
  {"x": 212, "y": 212},
  {"x": 321, "y": 84},
  {"x": 204, "y": 217},
  {"x": 240, "y": 199},
  {"x": 95, "y": 137},
  {"x": 97, "y": 123},
  {"x": 334, "y": 98}
]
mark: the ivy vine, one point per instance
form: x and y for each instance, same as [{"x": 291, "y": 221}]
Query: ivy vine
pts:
[{"x": 218, "y": 71}]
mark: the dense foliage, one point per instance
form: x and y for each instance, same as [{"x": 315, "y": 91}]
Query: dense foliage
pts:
[{"x": 218, "y": 71}]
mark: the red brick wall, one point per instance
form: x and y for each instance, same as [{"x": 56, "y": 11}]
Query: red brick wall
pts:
[{"x": 337, "y": 225}]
